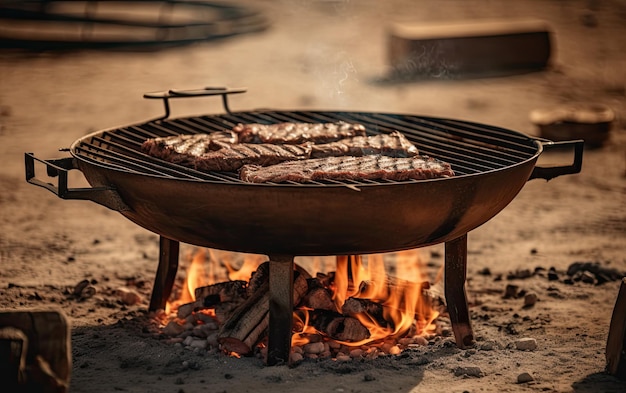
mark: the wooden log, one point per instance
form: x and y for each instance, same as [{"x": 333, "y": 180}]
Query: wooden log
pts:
[
  {"x": 259, "y": 278},
  {"x": 248, "y": 323},
  {"x": 227, "y": 291},
  {"x": 347, "y": 329},
  {"x": 337, "y": 326},
  {"x": 616, "y": 342},
  {"x": 48, "y": 352},
  {"x": 487, "y": 47},
  {"x": 353, "y": 306},
  {"x": 13, "y": 350},
  {"x": 319, "y": 298}
]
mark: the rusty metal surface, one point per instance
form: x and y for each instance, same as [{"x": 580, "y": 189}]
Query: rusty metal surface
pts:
[{"x": 334, "y": 220}]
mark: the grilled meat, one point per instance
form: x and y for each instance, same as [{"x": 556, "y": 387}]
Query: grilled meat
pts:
[
  {"x": 394, "y": 144},
  {"x": 183, "y": 149},
  {"x": 220, "y": 151},
  {"x": 372, "y": 167},
  {"x": 296, "y": 133},
  {"x": 233, "y": 157}
]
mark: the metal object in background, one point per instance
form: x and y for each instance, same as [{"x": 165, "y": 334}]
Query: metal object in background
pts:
[{"x": 106, "y": 24}]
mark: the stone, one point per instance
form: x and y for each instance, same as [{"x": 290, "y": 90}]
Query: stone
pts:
[
  {"x": 470, "y": 371},
  {"x": 530, "y": 299},
  {"x": 526, "y": 344},
  {"x": 524, "y": 378}
]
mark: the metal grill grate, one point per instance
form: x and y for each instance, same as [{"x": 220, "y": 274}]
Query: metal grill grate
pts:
[{"x": 470, "y": 148}]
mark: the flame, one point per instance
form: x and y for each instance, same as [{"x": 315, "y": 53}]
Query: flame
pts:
[
  {"x": 301, "y": 328},
  {"x": 209, "y": 266},
  {"x": 403, "y": 304},
  {"x": 250, "y": 263},
  {"x": 405, "y": 310}
]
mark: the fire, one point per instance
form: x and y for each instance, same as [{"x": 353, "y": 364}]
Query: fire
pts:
[
  {"x": 403, "y": 305},
  {"x": 204, "y": 270},
  {"x": 401, "y": 310}
]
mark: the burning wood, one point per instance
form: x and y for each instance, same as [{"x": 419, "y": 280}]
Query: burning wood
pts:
[
  {"x": 248, "y": 323},
  {"x": 336, "y": 313}
]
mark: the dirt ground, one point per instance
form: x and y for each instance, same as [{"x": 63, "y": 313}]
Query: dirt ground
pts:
[{"x": 328, "y": 55}]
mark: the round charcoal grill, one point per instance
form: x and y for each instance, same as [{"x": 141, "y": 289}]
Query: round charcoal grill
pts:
[{"x": 217, "y": 210}]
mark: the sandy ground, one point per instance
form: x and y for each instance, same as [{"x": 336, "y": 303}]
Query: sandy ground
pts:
[{"x": 327, "y": 55}]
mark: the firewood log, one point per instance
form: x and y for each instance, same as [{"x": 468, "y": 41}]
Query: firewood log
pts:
[
  {"x": 353, "y": 306},
  {"x": 227, "y": 291},
  {"x": 616, "y": 342},
  {"x": 319, "y": 299},
  {"x": 248, "y": 323},
  {"x": 259, "y": 278},
  {"x": 48, "y": 357},
  {"x": 337, "y": 326}
]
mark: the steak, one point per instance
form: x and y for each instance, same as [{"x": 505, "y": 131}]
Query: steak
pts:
[
  {"x": 394, "y": 144},
  {"x": 373, "y": 167},
  {"x": 183, "y": 149},
  {"x": 219, "y": 151},
  {"x": 296, "y": 133},
  {"x": 232, "y": 157}
]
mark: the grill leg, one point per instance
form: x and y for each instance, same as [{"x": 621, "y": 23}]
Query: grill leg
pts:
[
  {"x": 281, "y": 309},
  {"x": 455, "y": 273},
  {"x": 166, "y": 273}
]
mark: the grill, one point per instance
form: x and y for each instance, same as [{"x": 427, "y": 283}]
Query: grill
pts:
[
  {"x": 285, "y": 220},
  {"x": 471, "y": 148}
]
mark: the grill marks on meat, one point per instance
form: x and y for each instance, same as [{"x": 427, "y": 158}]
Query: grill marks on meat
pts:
[
  {"x": 394, "y": 144},
  {"x": 183, "y": 149},
  {"x": 300, "y": 152},
  {"x": 297, "y": 133},
  {"x": 373, "y": 167},
  {"x": 235, "y": 156}
]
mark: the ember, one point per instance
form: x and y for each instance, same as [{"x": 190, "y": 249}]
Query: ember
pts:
[{"x": 358, "y": 310}]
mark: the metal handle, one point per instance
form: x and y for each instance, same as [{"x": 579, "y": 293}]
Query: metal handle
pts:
[
  {"x": 105, "y": 196},
  {"x": 206, "y": 91},
  {"x": 548, "y": 173}
]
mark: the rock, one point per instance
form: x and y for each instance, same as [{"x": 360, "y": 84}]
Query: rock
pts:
[
  {"x": 295, "y": 357},
  {"x": 524, "y": 378},
  {"x": 395, "y": 350},
  {"x": 519, "y": 274},
  {"x": 314, "y": 348},
  {"x": 342, "y": 357},
  {"x": 488, "y": 346},
  {"x": 526, "y": 344},
  {"x": 552, "y": 274},
  {"x": 356, "y": 353},
  {"x": 530, "y": 299},
  {"x": 510, "y": 291},
  {"x": 173, "y": 329},
  {"x": 127, "y": 296},
  {"x": 470, "y": 371},
  {"x": 198, "y": 343}
]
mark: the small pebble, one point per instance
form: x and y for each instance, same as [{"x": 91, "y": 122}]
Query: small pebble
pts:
[
  {"x": 314, "y": 348},
  {"x": 127, "y": 296},
  {"x": 356, "y": 353},
  {"x": 342, "y": 357},
  {"x": 295, "y": 357},
  {"x": 526, "y": 344},
  {"x": 510, "y": 291},
  {"x": 172, "y": 329},
  {"x": 395, "y": 350},
  {"x": 530, "y": 299},
  {"x": 524, "y": 377},
  {"x": 488, "y": 346},
  {"x": 470, "y": 371}
]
